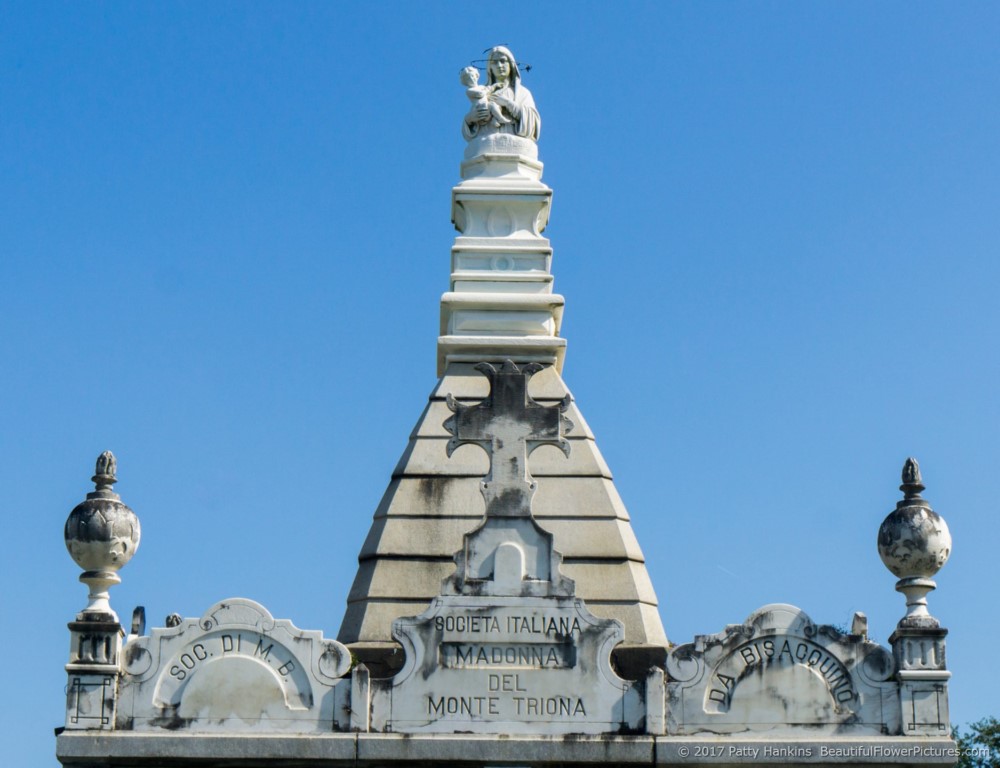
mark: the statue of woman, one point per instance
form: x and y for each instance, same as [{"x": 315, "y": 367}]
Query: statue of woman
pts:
[{"x": 513, "y": 99}]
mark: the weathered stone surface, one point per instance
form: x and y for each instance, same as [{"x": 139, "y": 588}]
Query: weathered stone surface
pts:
[
  {"x": 364, "y": 621},
  {"x": 780, "y": 673},
  {"x": 87, "y": 749},
  {"x": 508, "y": 665},
  {"x": 616, "y": 580},
  {"x": 234, "y": 669},
  {"x": 444, "y": 496},
  {"x": 429, "y": 455},
  {"x": 431, "y": 423},
  {"x": 407, "y": 536},
  {"x": 464, "y": 382}
]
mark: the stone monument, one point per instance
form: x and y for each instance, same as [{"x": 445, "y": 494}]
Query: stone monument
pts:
[{"x": 501, "y": 613}]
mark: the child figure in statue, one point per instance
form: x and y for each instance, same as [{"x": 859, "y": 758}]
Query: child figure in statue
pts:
[{"x": 480, "y": 95}]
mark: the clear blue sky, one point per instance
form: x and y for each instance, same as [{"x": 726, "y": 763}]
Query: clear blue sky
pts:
[{"x": 224, "y": 231}]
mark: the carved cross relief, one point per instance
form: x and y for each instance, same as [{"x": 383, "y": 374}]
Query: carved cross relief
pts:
[
  {"x": 508, "y": 425},
  {"x": 509, "y": 553}
]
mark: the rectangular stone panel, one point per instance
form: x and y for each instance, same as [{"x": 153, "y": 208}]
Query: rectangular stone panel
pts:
[
  {"x": 469, "y": 258},
  {"x": 622, "y": 580},
  {"x": 474, "y": 322},
  {"x": 486, "y": 285},
  {"x": 442, "y": 537},
  {"x": 507, "y": 749},
  {"x": 506, "y": 664},
  {"x": 445, "y": 496}
]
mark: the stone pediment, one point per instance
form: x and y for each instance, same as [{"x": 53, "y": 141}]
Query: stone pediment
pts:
[
  {"x": 526, "y": 665},
  {"x": 236, "y": 668},
  {"x": 777, "y": 672}
]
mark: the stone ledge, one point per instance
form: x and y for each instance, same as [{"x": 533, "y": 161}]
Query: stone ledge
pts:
[
  {"x": 724, "y": 751},
  {"x": 123, "y": 749}
]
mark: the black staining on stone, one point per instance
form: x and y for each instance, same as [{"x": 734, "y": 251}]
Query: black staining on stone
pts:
[
  {"x": 173, "y": 620},
  {"x": 138, "y": 621},
  {"x": 100, "y": 520},
  {"x": 170, "y": 720},
  {"x": 383, "y": 660},
  {"x": 432, "y": 490},
  {"x": 132, "y": 654},
  {"x": 633, "y": 662},
  {"x": 509, "y": 503}
]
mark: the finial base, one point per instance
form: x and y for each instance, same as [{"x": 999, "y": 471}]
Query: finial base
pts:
[
  {"x": 916, "y": 590},
  {"x": 98, "y": 604}
]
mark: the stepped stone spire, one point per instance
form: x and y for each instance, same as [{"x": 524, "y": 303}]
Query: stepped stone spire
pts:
[
  {"x": 500, "y": 308},
  {"x": 501, "y": 303}
]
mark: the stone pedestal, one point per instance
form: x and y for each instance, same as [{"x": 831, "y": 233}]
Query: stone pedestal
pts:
[
  {"x": 923, "y": 680},
  {"x": 501, "y": 305},
  {"x": 91, "y": 691}
]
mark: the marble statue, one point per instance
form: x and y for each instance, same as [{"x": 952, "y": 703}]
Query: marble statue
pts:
[
  {"x": 504, "y": 91},
  {"x": 479, "y": 95}
]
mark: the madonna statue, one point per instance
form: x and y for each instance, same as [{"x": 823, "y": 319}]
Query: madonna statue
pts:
[{"x": 506, "y": 92}]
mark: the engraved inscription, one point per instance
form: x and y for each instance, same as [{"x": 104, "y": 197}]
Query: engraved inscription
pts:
[
  {"x": 766, "y": 655},
  {"x": 506, "y": 696},
  {"x": 227, "y": 644},
  {"x": 537, "y": 655},
  {"x": 516, "y": 665}
]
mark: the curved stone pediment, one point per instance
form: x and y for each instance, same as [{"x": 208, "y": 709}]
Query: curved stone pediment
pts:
[
  {"x": 778, "y": 671},
  {"x": 235, "y": 668}
]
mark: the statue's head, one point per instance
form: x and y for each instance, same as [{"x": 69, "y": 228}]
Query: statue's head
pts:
[
  {"x": 501, "y": 65},
  {"x": 469, "y": 76}
]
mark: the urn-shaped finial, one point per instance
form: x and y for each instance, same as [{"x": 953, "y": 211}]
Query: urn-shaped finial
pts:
[
  {"x": 914, "y": 542},
  {"x": 101, "y": 535}
]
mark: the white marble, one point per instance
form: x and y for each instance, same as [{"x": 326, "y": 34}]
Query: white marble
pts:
[
  {"x": 779, "y": 673},
  {"x": 508, "y": 665},
  {"x": 234, "y": 669}
]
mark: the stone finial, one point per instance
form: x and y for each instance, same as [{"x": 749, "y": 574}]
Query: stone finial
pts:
[
  {"x": 101, "y": 535},
  {"x": 104, "y": 474},
  {"x": 913, "y": 483},
  {"x": 914, "y": 543}
]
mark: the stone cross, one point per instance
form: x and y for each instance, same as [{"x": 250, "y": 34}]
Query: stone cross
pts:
[{"x": 508, "y": 425}]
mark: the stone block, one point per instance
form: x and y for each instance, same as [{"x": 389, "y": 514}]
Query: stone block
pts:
[
  {"x": 505, "y": 749},
  {"x": 618, "y": 581},
  {"x": 428, "y": 456},
  {"x": 587, "y": 538},
  {"x": 545, "y": 350},
  {"x": 443, "y": 496}
]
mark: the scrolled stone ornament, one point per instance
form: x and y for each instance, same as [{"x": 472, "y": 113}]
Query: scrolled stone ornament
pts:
[
  {"x": 102, "y": 534},
  {"x": 914, "y": 543}
]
